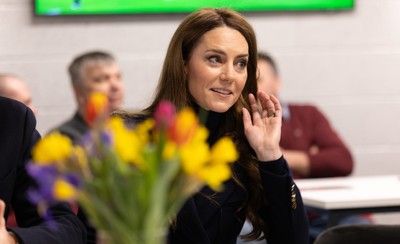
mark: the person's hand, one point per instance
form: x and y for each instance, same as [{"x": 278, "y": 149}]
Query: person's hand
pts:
[
  {"x": 5, "y": 237},
  {"x": 299, "y": 161},
  {"x": 263, "y": 127}
]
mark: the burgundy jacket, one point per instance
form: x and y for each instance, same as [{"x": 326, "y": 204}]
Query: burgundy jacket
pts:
[{"x": 305, "y": 126}]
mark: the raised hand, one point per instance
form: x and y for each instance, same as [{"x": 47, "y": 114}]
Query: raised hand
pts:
[{"x": 263, "y": 127}]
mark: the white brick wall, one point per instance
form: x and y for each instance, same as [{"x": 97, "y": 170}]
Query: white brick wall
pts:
[{"x": 346, "y": 62}]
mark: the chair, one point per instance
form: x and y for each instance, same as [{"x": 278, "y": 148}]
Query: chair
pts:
[{"x": 363, "y": 234}]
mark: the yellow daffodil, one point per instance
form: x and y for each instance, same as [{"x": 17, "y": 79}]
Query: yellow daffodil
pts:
[
  {"x": 194, "y": 157},
  {"x": 214, "y": 175},
  {"x": 80, "y": 155},
  {"x": 195, "y": 153},
  {"x": 126, "y": 142},
  {"x": 210, "y": 166},
  {"x": 169, "y": 151},
  {"x": 63, "y": 191},
  {"x": 53, "y": 148},
  {"x": 224, "y": 151},
  {"x": 143, "y": 129}
]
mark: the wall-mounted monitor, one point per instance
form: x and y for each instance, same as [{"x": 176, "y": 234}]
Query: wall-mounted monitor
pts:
[{"x": 112, "y": 7}]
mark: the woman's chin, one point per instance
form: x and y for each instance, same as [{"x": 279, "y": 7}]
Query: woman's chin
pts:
[{"x": 220, "y": 109}]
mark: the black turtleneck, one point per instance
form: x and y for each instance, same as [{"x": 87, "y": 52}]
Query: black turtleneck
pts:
[{"x": 211, "y": 120}]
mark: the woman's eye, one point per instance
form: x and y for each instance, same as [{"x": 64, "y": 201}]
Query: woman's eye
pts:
[
  {"x": 214, "y": 59},
  {"x": 242, "y": 63}
]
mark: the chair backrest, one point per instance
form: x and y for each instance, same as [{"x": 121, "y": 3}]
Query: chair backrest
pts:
[{"x": 363, "y": 234}]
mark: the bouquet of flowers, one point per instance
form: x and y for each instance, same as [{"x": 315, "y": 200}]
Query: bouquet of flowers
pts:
[{"x": 130, "y": 181}]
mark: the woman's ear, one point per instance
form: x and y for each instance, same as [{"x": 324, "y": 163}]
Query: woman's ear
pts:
[{"x": 186, "y": 70}]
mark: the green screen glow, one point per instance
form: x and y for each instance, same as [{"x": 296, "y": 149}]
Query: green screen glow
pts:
[{"x": 89, "y": 7}]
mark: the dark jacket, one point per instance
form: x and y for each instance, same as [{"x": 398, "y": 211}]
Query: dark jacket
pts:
[
  {"x": 18, "y": 135},
  {"x": 220, "y": 221},
  {"x": 74, "y": 128}
]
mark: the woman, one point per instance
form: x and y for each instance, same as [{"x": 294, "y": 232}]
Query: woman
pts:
[{"x": 211, "y": 64}]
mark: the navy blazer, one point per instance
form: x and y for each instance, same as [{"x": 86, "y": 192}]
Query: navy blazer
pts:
[
  {"x": 18, "y": 135},
  {"x": 220, "y": 220}
]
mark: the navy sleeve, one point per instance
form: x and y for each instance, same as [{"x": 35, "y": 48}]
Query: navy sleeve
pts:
[{"x": 284, "y": 211}]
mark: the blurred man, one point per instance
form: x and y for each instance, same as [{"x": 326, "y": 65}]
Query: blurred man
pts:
[
  {"x": 89, "y": 72},
  {"x": 310, "y": 144},
  {"x": 14, "y": 87}
]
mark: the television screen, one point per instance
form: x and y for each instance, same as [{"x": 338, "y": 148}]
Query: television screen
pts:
[{"x": 96, "y": 7}]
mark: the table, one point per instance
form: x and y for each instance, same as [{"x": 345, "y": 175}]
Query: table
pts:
[{"x": 351, "y": 195}]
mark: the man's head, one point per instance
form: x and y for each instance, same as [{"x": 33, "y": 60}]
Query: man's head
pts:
[
  {"x": 268, "y": 80},
  {"x": 13, "y": 87},
  {"x": 96, "y": 71}
]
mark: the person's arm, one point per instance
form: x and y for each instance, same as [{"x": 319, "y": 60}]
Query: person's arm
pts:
[
  {"x": 311, "y": 146},
  {"x": 34, "y": 229},
  {"x": 284, "y": 210},
  {"x": 330, "y": 156}
]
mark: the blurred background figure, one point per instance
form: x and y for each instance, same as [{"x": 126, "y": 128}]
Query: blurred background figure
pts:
[
  {"x": 309, "y": 143},
  {"x": 311, "y": 146},
  {"x": 18, "y": 136},
  {"x": 14, "y": 87},
  {"x": 92, "y": 71}
]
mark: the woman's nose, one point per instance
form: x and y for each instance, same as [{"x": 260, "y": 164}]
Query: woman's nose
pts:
[{"x": 228, "y": 73}]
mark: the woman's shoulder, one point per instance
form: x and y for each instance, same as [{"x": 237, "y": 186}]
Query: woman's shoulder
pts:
[
  {"x": 7, "y": 104},
  {"x": 15, "y": 112}
]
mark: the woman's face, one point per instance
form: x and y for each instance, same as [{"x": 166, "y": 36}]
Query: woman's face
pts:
[{"x": 217, "y": 69}]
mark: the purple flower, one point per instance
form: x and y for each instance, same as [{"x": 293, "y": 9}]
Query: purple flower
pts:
[
  {"x": 106, "y": 138},
  {"x": 87, "y": 142},
  {"x": 73, "y": 179},
  {"x": 45, "y": 176},
  {"x": 42, "y": 194}
]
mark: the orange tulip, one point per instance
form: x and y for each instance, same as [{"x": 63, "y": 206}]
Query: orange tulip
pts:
[
  {"x": 96, "y": 108},
  {"x": 184, "y": 127}
]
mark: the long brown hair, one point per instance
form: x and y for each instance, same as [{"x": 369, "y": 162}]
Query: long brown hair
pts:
[{"x": 173, "y": 87}]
